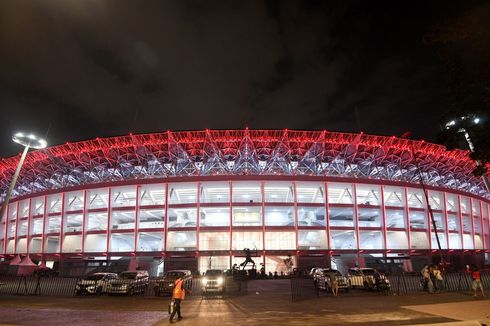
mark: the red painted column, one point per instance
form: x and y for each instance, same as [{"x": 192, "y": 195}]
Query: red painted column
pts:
[
  {"x": 262, "y": 185},
  {"x": 165, "y": 231},
  {"x": 384, "y": 227},
  {"x": 136, "y": 218},
  {"x": 327, "y": 223},
  {"x": 198, "y": 218},
  {"x": 28, "y": 226},
  {"x": 84, "y": 214},
  {"x": 407, "y": 217},
  {"x": 356, "y": 224},
  {"x": 296, "y": 232},
  {"x": 230, "y": 185},
  {"x": 43, "y": 233},
  {"x": 444, "y": 207},
  {"x": 5, "y": 232},
  {"x": 461, "y": 222},
  {"x": 16, "y": 226},
  {"x": 472, "y": 223},
  {"x": 108, "y": 231}
]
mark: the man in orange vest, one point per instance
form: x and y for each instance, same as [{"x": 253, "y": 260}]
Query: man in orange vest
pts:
[{"x": 178, "y": 294}]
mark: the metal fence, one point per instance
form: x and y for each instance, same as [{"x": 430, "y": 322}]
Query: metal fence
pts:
[
  {"x": 403, "y": 284},
  {"x": 67, "y": 286},
  {"x": 452, "y": 282}
]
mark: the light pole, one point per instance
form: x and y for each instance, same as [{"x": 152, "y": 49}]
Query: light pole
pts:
[
  {"x": 28, "y": 141},
  {"x": 461, "y": 125}
]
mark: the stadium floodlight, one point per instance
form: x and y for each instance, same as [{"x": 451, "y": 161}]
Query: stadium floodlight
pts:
[
  {"x": 28, "y": 140},
  {"x": 461, "y": 125}
]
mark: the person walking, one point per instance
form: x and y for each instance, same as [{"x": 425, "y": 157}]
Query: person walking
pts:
[
  {"x": 178, "y": 294},
  {"x": 476, "y": 276}
]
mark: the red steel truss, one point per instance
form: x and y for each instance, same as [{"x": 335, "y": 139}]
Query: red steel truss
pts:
[{"x": 241, "y": 152}]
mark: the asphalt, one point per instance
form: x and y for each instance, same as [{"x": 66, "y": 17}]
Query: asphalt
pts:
[{"x": 267, "y": 303}]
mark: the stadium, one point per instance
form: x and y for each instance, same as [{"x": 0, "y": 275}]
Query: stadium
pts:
[{"x": 197, "y": 199}]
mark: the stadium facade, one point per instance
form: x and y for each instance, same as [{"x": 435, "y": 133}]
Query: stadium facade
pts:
[{"x": 197, "y": 199}]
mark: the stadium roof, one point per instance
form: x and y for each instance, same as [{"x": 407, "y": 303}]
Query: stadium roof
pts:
[{"x": 241, "y": 152}]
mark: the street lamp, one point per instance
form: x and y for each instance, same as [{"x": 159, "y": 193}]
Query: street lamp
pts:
[
  {"x": 27, "y": 140},
  {"x": 461, "y": 125}
]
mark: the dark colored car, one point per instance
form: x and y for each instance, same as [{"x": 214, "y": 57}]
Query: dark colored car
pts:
[
  {"x": 129, "y": 283},
  {"x": 94, "y": 284},
  {"x": 214, "y": 281},
  {"x": 165, "y": 284}
]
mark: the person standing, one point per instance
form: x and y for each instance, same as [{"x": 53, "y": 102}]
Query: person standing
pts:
[
  {"x": 476, "y": 276},
  {"x": 334, "y": 284},
  {"x": 425, "y": 277},
  {"x": 178, "y": 294},
  {"x": 438, "y": 278}
]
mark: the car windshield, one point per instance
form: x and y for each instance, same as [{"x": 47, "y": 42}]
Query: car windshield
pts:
[
  {"x": 332, "y": 271},
  {"x": 94, "y": 277},
  {"x": 128, "y": 276},
  {"x": 368, "y": 271},
  {"x": 213, "y": 272},
  {"x": 173, "y": 274}
]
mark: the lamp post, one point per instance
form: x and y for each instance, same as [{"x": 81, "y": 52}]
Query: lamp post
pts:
[
  {"x": 461, "y": 125},
  {"x": 28, "y": 141}
]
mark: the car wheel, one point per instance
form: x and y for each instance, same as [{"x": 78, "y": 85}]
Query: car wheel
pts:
[
  {"x": 99, "y": 290},
  {"x": 157, "y": 294},
  {"x": 131, "y": 292}
]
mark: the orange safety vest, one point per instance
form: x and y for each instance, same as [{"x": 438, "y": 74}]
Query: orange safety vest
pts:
[{"x": 178, "y": 292}]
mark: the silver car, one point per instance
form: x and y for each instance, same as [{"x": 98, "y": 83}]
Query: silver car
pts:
[
  {"x": 94, "y": 284},
  {"x": 322, "y": 279}
]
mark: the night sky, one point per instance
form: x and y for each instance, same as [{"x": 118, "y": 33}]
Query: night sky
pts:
[{"x": 72, "y": 70}]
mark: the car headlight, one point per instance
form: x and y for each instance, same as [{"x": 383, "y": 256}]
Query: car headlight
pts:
[
  {"x": 91, "y": 287},
  {"x": 220, "y": 280},
  {"x": 124, "y": 286},
  {"x": 204, "y": 281}
]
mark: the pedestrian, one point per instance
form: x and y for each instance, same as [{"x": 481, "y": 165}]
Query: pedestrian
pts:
[
  {"x": 425, "y": 277},
  {"x": 475, "y": 275},
  {"x": 432, "y": 279},
  {"x": 334, "y": 284},
  {"x": 438, "y": 278},
  {"x": 178, "y": 294},
  {"x": 377, "y": 279}
]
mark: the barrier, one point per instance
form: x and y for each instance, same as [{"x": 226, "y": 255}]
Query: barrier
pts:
[{"x": 67, "y": 286}]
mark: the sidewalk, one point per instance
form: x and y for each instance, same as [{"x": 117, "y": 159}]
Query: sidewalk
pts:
[{"x": 464, "y": 311}]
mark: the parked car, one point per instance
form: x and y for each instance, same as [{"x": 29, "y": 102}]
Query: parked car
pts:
[
  {"x": 322, "y": 279},
  {"x": 94, "y": 284},
  {"x": 129, "y": 283},
  {"x": 214, "y": 281},
  {"x": 311, "y": 273},
  {"x": 165, "y": 284},
  {"x": 364, "y": 277}
]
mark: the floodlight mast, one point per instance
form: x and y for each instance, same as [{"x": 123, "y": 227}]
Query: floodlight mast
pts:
[
  {"x": 460, "y": 124},
  {"x": 28, "y": 141}
]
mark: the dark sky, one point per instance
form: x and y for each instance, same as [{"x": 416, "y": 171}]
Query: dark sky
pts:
[{"x": 75, "y": 70}]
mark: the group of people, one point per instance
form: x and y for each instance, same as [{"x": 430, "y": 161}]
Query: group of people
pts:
[{"x": 432, "y": 278}]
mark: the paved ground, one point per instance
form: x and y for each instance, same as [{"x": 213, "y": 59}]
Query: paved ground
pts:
[{"x": 268, "y": 302}]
